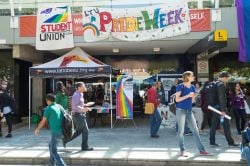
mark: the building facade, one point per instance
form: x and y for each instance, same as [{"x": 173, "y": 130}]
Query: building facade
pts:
[{"x": 191, "y": 51}]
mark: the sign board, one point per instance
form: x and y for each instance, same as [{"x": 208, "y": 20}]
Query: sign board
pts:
[
  {"x": 220, "y": 35},
  {"x": 202, "y": 67},
  {"x": 54, "y": 28}
]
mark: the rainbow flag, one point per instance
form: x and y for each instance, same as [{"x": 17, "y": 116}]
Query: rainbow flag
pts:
[
  {"x": 243, "y": 13},
  {"x": 124, "y": 98}
]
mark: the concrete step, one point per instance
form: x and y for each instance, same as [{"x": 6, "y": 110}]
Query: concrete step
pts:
[{"x": 119, "y": 162}]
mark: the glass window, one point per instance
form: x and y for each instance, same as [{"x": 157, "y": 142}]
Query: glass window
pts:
[
  {"x": 227, "y": 3},
  {"x": 193, "y": 5},
  {"x": 208, "y": 4}
]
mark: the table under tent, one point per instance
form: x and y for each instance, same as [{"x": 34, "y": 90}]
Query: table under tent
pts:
[{"x": 74, "y": 64}]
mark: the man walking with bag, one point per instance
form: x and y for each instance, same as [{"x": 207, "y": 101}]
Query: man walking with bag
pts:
[
  {"x": 79, "y": 116},
  {"x": 155, "y": 118}
]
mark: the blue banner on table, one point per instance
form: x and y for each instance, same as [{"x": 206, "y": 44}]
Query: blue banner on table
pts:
[{"x": 124, "y": 97}]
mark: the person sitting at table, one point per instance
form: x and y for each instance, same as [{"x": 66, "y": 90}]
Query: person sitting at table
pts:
[{"x": 99, "y": 95}]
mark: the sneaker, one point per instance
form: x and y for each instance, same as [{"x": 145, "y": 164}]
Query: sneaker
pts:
[
  {"x": 234, "y": 145},
  {"x": 205, "y": 153},
  {"x": 87, "y": 149},
  {"x": 184, "y": 154},
  {"x": 188, "y": 133},
  {"x": 215, "y": 144},
  {"x": 8, "y": 136},
  {"x": 155, "y": 136}
]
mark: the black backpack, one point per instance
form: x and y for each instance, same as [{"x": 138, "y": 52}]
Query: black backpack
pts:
[
  {"x": 211, "y": 93},
  {"x": 68, "y": 128}
]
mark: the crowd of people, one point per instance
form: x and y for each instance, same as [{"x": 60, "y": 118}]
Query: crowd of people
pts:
[{"x": 192, "y": 113}]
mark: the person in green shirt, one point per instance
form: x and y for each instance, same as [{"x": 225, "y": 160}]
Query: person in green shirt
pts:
[
  {"x": 53, "y": 116},
  {"x": 61, "y": 95}
]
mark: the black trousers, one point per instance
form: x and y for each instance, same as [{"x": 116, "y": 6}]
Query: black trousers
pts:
[
  {"x": 226, "y": 127},
  {"x": 207, "y": 118},
  {"x": 240, "y": 119},
  {"x": 81, "y": 129},
  {"x": 8, "y": 118}
]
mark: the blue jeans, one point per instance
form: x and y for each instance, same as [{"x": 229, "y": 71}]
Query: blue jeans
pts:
[
  {"x": 181, "y": 117},
  {"x": 155, "y": 122},
  {"x": 245, "y": 154},
  {"x": 186, "y": 128},
  {"x": 54, "y": 156}
]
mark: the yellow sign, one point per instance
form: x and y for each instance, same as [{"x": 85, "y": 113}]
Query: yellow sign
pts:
[{"x": 220, "y": 35}]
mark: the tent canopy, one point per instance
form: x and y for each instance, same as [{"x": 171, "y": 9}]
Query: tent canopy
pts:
[{"x": 75, "y": 63}]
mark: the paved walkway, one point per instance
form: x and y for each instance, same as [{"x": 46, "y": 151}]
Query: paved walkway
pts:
[{"x": 118, "y": 144}]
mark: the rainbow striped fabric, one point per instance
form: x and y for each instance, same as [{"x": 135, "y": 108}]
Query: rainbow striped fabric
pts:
[{"x": 243, "y": 13}]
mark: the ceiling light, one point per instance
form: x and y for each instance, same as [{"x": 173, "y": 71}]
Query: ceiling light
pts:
[
  {"x": 116, "y": 50},
  {"x": 156, "y": 49}
]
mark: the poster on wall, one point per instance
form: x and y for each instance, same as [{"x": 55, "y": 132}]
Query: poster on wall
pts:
[
  {"x": 140, "y": 24},
  {"x": 124, "y": 97},
  {"x": 168, "y": 80},
  {"x": 54, "y": 28},
  {"x": 200, "y": 20}
]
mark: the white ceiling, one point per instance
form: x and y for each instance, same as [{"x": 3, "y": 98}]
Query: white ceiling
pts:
[{"x": 144, "y": 48}]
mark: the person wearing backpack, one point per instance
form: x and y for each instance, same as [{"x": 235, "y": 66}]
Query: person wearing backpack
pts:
[
  {"x": 220, "y": 102},
  {"x": 54, "y": 117},
  {"x": 185, "y": 96}
]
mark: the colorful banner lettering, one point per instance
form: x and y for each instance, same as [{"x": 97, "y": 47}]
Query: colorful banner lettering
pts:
[
  {"x": 200, "y": 20},
  {"x": 124, "y": 97},
  {"x": 54, "y": 28},
  {"x": 140, "y": 24}
]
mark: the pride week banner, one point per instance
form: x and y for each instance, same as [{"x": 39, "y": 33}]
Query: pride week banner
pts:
[
  {"x": 54, "y": 28},
  {"x": 243, "y": 12},
  {"x": 124, "y": 97},
  {"x": 136, "y": 24}
]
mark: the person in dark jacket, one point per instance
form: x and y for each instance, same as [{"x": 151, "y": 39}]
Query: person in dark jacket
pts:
[
  {"x": 237, "y": 98},
  {"x": 207, "y": 114},
  {"x": 222, "y": 106},
  {"x": 245, "y": 146},
  {"x": 5, "y": 108}
]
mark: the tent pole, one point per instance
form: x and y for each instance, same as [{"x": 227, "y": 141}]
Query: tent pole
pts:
[
  {"x": 29, "y": 100},
  {"x": 111, "y": 107},
  {"x": 53, "y": 82}
]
